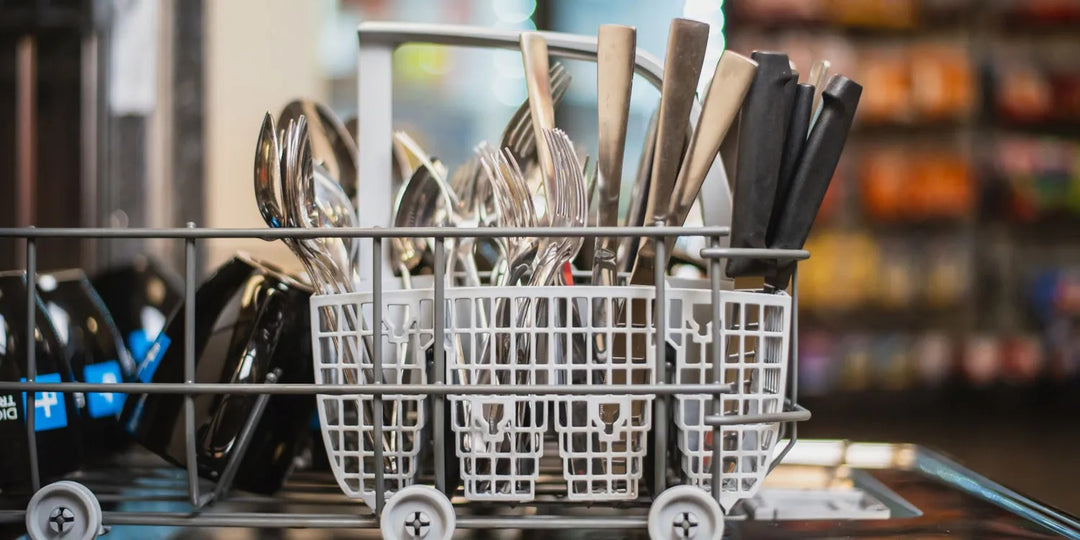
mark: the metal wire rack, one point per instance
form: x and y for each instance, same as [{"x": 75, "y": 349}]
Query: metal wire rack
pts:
[{"x": 204, "y": 497}]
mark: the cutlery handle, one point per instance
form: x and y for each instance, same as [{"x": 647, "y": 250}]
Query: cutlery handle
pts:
[
  {"x": 534, "y": 55},
  {"x": 761, "y": 138},
  {"x": 682, "y": 69},
  {"x": 820, "y": 156},
  {"x": 725, "y": 96},
  {"x": 615, "y": 48},
  {"x": 798, "y": 125}
]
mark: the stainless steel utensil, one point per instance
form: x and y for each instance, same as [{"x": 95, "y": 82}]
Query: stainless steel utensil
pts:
[
  {"x": 332, "y": 145},
  {"x": 615, "y": 48},
  {"x": 534, "y": 55}
]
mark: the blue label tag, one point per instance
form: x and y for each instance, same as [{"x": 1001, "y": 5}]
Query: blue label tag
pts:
[
  {"x": 49, "y": 409},
  {"x": 138, "y": 343},
  {"x": 149, "y": 364},
  {"x": 101, "y": 404}
]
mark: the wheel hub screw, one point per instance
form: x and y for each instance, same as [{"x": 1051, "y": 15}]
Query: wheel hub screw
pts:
[
  {"x": 685, "y": 525},
  {"x": 418, "y": 524},
  {"x": 60, "y": 517}
]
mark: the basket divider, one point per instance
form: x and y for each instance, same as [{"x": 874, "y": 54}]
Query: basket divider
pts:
[
  {"x": 31, "y": 361},
  {"x": 376, "y": 362},
  {"x": 715, "y": 275},
  {"x": 660, "y": 405},
  {"x": 439, "y": 448}
]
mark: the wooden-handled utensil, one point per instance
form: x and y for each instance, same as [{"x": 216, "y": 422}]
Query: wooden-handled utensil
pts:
[{"x": 682, "y": 69}]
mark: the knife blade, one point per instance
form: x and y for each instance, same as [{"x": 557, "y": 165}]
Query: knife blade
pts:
[
  {"x": 682, "y": 69},
  {"x": 817, "y": 75},
  {"x": 615, "y": 52},
  {"x": 635, "y": 212},
  {"x": 839, "y": 100},
  {"x": 762, "y": 129}
]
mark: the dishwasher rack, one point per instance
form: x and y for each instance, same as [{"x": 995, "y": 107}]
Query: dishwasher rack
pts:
[{"x": 420, "y": 506}]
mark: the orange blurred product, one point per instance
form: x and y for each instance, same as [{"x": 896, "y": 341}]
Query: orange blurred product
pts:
[
  {"x": 1023, "y": 94},
  {"x": 885, "y": 76},
  {"x": 942, "y": 82},
  {"x": 944, "y": 183},
  {"x": 873, "y": 13},
  {"x": 884, "y": 174}
]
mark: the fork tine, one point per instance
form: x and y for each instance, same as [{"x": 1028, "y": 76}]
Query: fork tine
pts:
[
  {"x": 521, "y": 115},
  {"x": 524, "y": 143}
]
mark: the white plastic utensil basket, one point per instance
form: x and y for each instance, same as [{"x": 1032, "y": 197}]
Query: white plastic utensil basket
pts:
[
  {"x": 346, "y": 421},
  {"x": 547, "y": 336},
  {"x": 754, "y": 345}
]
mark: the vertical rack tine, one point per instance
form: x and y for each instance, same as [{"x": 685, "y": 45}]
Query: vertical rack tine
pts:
[
  {"x": 660, "y": 407},
  {"x": 440, "y": 368},
  {"x": 793, "y": 368},
  {"x": 376, "y": 363},
  {"x": 31, "y": 360},
  {"x": 189, "y": 369},
  {"x": 715, "y": 273}
]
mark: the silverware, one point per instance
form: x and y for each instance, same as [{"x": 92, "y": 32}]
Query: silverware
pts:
[
  {"x": 332, "y": 145},
  {"x": 615, "y": 50},
  {"x": 761, "y": 142},
  {"x": 534, "y": 55},
  {"x": 725, "y": 96},
  {"x": 519, "y": 135},
  {"x": 816, "y": 167},
  {"x": 635, "y": 213},
  {"x": 816, "y": 77}
]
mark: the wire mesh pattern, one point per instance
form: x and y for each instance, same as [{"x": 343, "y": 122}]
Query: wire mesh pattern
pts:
[
  {"x": 342, "y": 353},
  {"x": 754, "y": 348}
]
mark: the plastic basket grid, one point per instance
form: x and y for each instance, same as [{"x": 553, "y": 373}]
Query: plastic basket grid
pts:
[
  {"x": 602, "y": 438},
  {"x": 754, "y": 346},
  {"x": 341, "y": 327},
  {"x": 499, "y": 439}
]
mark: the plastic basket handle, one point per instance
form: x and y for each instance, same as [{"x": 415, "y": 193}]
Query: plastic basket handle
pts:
[{"x": 378, "y": 40}]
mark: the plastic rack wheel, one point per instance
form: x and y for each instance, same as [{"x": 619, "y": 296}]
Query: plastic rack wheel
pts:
[
  {"x": 418, "y": 512},
  {"x": 683, "y": 512},
  {"x": 65, "y": 510}
]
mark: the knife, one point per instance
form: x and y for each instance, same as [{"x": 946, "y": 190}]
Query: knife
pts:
[
  {"x": 798, "y": 126},
  {"x": 682, "y": 69},
  {"x": 635, "y": 212},
  {"x": 721, "y": 105},
  {"x": 615, "y": 51},
  {"x": 839, "y": 100},
  {"x": 762, "y": 129},
  {"x": 817, "y": 75}
]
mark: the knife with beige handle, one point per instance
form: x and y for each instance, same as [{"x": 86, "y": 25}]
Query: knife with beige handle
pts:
[
  {"x": 723, "y": 100},
  {"x": 682, "y": 68},
  {"x": 615, "y": 51},
  {"x": 534, "y": 55}
]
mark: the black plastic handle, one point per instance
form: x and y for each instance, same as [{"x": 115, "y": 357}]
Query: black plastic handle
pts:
[
  {"x": 794, "y": 142},
  {"x": 762, "y": 127},
  {"x": 811, "y": 180}
]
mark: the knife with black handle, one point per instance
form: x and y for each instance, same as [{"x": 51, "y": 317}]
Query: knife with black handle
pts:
[
  {"x": 762, "y": 128},
  {"x": 815, "y": 169},
  {"x": 798, "y": 126}
]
